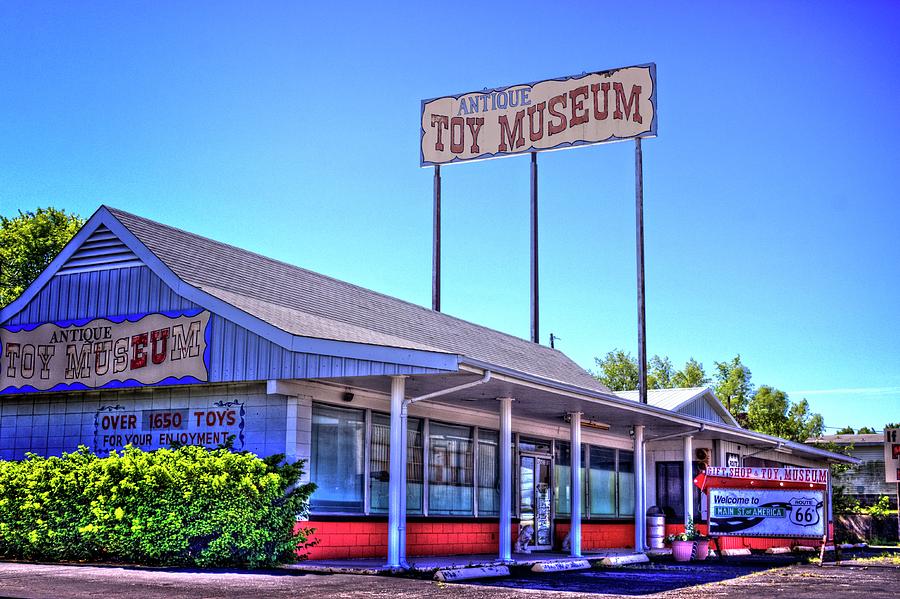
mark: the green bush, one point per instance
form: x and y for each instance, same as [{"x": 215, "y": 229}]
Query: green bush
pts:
[
  {"x": 182, "y": 506},
  {"x": 881, "y": 508}
]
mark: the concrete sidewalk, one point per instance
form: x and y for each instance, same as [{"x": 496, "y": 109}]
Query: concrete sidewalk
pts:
[{"x": 376, "y": 565}]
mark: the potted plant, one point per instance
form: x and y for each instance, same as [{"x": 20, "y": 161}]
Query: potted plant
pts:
[{"x": 689, "y": 544}]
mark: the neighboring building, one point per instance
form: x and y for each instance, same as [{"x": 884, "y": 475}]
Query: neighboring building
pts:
[
  {"x": 145, "y": 334},
  {"x": 864, "y": 481}
]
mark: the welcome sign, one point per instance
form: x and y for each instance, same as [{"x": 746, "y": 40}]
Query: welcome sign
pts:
[
  {"x": 590, "y": 108},
  {"x": 767, "y": 512},
  {"x": 124, "y": 351}
]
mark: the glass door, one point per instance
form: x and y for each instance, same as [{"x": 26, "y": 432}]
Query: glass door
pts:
[{"x": 535, "y": 500}]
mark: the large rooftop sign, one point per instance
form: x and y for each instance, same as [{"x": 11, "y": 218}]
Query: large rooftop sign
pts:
[{"x": 590, "y": 108}]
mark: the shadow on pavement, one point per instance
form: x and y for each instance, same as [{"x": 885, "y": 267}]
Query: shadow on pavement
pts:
[{"x": 636, "y": 580}]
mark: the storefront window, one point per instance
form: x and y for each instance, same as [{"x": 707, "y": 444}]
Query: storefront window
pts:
[
  {"x": 603, "y": 481},
  {"x": 338, "y": 459},
  {"x": 563, "y": 482},
  {"x": 626, "y": 483},
  {"x": 451, "y": 469},
  {"x": 380, "y": 460},
  {"x": 488, "y": 473}
]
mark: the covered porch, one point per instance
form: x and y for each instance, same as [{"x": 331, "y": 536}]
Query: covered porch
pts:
[{"x": 512, "y": 401}]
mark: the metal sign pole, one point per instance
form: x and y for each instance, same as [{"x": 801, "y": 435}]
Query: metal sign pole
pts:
[
  {"x": 436, "y": 244},
  {"x": 535, "y": 333},
  {"x": 639, "y": 217}
]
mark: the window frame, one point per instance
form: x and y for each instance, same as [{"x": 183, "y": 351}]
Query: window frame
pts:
[{"x": 515, "y": 451}]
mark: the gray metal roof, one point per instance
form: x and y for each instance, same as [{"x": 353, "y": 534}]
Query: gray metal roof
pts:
[
  {"x": 678, "y": 398},
  {"x": 309, "y": 304},
  {"x": 865, "y": 439}
]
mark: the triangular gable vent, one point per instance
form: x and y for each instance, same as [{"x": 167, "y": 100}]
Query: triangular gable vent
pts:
[{"x": 102, "y": 250}]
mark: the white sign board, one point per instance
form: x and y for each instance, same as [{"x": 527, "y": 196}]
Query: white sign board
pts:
[
  {"x": 590, "y": 108},
  {"x": 766, "y": 513},
  {"x": 818, "y": 476},
  {"x": 892, "y": 455},
  {"x": 104, "y": 353}
]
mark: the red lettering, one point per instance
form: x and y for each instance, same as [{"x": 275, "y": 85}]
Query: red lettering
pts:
[
  {"x": 632, "y": 104},
  {"x": 535, "y": 135},
  {"x": 139, "y": 356},
  {"x": 442, "y": 122},
  {"x": 475, "y": 124},
  {"x": 231, "y": 417},
  {"x": 578, "y": 119},
  {"x": 516, "y": 137},
  {"x": 596, "y": 87},
  {"x": 199, "y": 416},
  {"x": 158, "y": 338},
  {"x": 560, "y": 126},
  {"x": 457, "y": 123}
]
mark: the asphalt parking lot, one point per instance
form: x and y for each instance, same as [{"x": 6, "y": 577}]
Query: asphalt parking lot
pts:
[{"x": 739, "y": 580}]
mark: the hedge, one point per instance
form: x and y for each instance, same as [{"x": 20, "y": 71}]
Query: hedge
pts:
[{"x": 187, "y": 506}]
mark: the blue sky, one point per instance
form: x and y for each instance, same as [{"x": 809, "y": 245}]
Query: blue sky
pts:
[{"x": 291, "y": 129}]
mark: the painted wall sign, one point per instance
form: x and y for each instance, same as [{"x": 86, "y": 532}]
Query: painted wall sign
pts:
[
  {"x": 590, "y": 108},
  {"x": 892, "y": 455},
  {"x": 795, "y": 513},
  {"x": 126, "y": 351},
  {"x": 115, "y": 426},
  {"x": 818, "y": 476}
]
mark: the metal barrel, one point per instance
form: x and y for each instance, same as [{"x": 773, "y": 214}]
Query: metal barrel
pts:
[{"x": 656, "y": 531}]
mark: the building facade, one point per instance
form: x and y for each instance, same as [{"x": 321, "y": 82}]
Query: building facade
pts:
[
  {"x": 142, "y": 334},
  {"x": 865, "y": 481}
]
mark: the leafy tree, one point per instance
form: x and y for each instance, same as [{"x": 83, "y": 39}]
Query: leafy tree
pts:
[
  {"x": 28, "y": 243},
  {"x": 660, "y": 372},
  {"x": 618, "y": 370},
  {"x": 771, "y": 412},
  {"x": 847, "y": 430},
  {"x": 692, "y": 375},
  {"x": 866, "y": 430},
  {"x": 732, "y": 385}
]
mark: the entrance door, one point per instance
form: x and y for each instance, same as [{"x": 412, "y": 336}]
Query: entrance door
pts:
[{"x": 535, "y": 499}]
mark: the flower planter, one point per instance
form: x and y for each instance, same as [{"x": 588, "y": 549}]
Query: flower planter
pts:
[
  {"x": 682, "y": 550},
  {"x": 702, "y": 549}
]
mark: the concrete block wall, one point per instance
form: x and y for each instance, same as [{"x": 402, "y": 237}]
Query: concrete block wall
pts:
[{"x": 49, "y": 424}]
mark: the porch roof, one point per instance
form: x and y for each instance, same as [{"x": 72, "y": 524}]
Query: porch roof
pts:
[{"x": 550, "y": 401}]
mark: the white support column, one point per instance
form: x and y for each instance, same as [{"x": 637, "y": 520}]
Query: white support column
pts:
[
  {"x": 396, "y": 486},
  {"x": 575, "y": 453},
  {"x": 404, "y": 462},
  {"x": 688, "y": 478},
  {"x": 640, "y": 511},
  {"x": 505, "y": 479}
]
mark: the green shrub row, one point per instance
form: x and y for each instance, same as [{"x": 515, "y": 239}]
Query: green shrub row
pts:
[{"x": 182, "y": 506}]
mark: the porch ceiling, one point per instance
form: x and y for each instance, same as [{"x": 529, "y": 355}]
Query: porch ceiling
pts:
[{"x": 531, "y": 401}]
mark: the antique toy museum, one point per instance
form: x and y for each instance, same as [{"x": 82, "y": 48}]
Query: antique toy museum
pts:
[{"x": 140, "y": 333}]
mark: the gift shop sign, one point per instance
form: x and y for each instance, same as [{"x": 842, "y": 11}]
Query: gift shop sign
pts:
[
  {"x": 816, "y": 476},
  {"x": 795, "y": 513},
  {"x": 590, "y": 108},
  {"x": 126, "y": 351}
]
